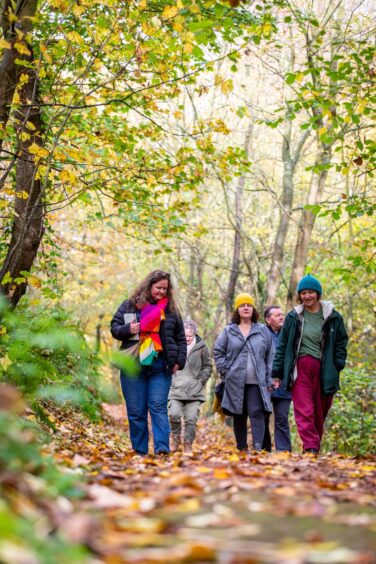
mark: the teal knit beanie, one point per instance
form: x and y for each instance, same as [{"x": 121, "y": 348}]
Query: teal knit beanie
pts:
[{"x": 309, "y": 283}]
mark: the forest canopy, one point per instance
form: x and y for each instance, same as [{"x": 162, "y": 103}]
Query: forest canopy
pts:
[{"x": 230, "y": 143}]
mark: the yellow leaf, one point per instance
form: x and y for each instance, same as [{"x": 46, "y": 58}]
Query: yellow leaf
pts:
[
  {"x": 68, "y": 176},
  {"x": 299, "y": 77},
  {"x": 203, "y": 469},
  {"x": 221, "y": 474},
  {"x": 24, "y": 136},
  {"x": 62, "y": 5},
  {"x": 47, "y": 57},
  {"x": 170, "y": 12},
  {"x": 4, "y": 44},
  {"x": 188, "y": 48},
  {"x": 24, "y": 78},
  {"x": 227, "y": 86},
  {"x": 147, "y": 28},
  {"x": 189, "y": 506},
  {"x": 143, "y": 4},
  {"x": 97, "y": 64},
  {"x": 345, "y": 170},
  {"x": 75, "y": 37},
  {"x": 16, "y": 98},
  {"x": 367, "y": 468},
  {"x": 347, "y": 119},
  {"x": 78, "y": 10},
  {"x": 22, "y": 195},
  {"x": 194, "y": 9},
  {"x": 361, "y": 106},
  {"x": 266, "y": 28},
  {"x": 322, "y": 130},
  {"x": 233, "y": 458},
  {"x": 38, "y": 151},
  {"x": 178, "y": 26},
  {"x": 5, "y": 362},
  {"x": 34, "y": 281},
  {"x": 3, "y": 204},
  {"x": 22, "y": 48}
]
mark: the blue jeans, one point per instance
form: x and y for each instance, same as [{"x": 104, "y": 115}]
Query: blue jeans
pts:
[{"x": 143, "y": 394}]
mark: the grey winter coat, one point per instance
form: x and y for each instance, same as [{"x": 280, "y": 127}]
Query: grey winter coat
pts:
[
  {"x": 189, "y": 384},
  {"x": 231, "y": 350}
]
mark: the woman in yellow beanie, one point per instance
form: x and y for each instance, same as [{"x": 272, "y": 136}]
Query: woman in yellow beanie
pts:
[{"x": 243, "y": 355}]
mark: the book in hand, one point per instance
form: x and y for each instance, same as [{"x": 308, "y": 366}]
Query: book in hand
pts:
[{"x": 129, "y": 318}]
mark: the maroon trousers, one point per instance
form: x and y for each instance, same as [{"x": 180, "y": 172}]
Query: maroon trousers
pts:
[{"x": 310, "y": 406}]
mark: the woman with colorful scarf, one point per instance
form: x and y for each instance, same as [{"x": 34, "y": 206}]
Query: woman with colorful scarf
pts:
[{"x": 162, "y": 351}]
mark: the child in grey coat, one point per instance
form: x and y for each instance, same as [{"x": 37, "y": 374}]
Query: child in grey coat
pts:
[{"x": 187, "y": 391}]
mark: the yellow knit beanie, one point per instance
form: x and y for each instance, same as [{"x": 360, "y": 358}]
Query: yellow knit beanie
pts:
[{"x": 243, "y": 299}]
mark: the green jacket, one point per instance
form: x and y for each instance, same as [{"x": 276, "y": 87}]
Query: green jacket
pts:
[{"x": 333, "y": 348}]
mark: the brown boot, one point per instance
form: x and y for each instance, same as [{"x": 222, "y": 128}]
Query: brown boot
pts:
[
  {"x": 187, "y": 449},
  {"x": 174, "y": 442}
]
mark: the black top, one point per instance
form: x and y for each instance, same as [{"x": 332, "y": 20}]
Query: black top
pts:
[{"x": 171, "y": 332}]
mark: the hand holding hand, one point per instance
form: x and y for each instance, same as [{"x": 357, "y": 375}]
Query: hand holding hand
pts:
[
  {"x": 134, "y": 327},
  {"x": 276, "y": 383}
]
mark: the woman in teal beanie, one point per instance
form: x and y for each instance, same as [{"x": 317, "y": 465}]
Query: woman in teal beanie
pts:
[{"x": 310, "y": 355}]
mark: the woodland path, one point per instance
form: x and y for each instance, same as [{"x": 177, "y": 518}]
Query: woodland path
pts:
[{"x": 214, "y": 506}]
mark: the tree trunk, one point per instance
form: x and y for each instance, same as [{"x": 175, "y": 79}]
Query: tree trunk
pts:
[
  {"x": 307, "y": 219},
  {"x": 274, "y": 274},
  {"x": 307, "y": 222},
  {"x": 9, "y": 70},
  {"x": 238, "y": 224},
  {"x": 27, "y": 229}
]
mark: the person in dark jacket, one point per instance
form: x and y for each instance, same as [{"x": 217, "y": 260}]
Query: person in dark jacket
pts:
[
  {"x": 243, "y": 354},
  {"x": 281, "y": 399},
  {"x": 151, "y": 315},
  {"x": 187, "y": 391},
  {"x": 311, "y": 353}
]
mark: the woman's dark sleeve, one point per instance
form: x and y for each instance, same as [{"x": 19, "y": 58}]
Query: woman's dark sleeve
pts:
[
  {"x": 206, "y": 368},
  {"x": 279, "y": 357},
  {"x": 340, "y": 350},
  {"x": 181, "y": 342},
  {"x": 120, "y": 330}
]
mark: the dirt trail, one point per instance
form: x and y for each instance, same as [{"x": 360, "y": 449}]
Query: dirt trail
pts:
[{"x": 215, "y": 506}]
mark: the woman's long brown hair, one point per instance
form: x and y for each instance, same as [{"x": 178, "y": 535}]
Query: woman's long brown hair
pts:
[{"x": 142, "y": 293}]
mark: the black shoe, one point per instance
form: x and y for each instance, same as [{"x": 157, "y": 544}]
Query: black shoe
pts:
[{"x": 311, "y": 451}]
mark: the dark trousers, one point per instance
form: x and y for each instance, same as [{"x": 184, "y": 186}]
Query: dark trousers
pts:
[
  {"x": 255, "y": 410},
  {"x": 282, "y": 439}
]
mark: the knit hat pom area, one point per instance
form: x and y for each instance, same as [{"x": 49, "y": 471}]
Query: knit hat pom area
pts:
[
  {"x": 309, "y": 282},
  {"x": 243, "y": 299}
]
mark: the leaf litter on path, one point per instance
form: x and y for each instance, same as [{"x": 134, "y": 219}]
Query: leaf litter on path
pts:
[{"x": 218, "y": 505}]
